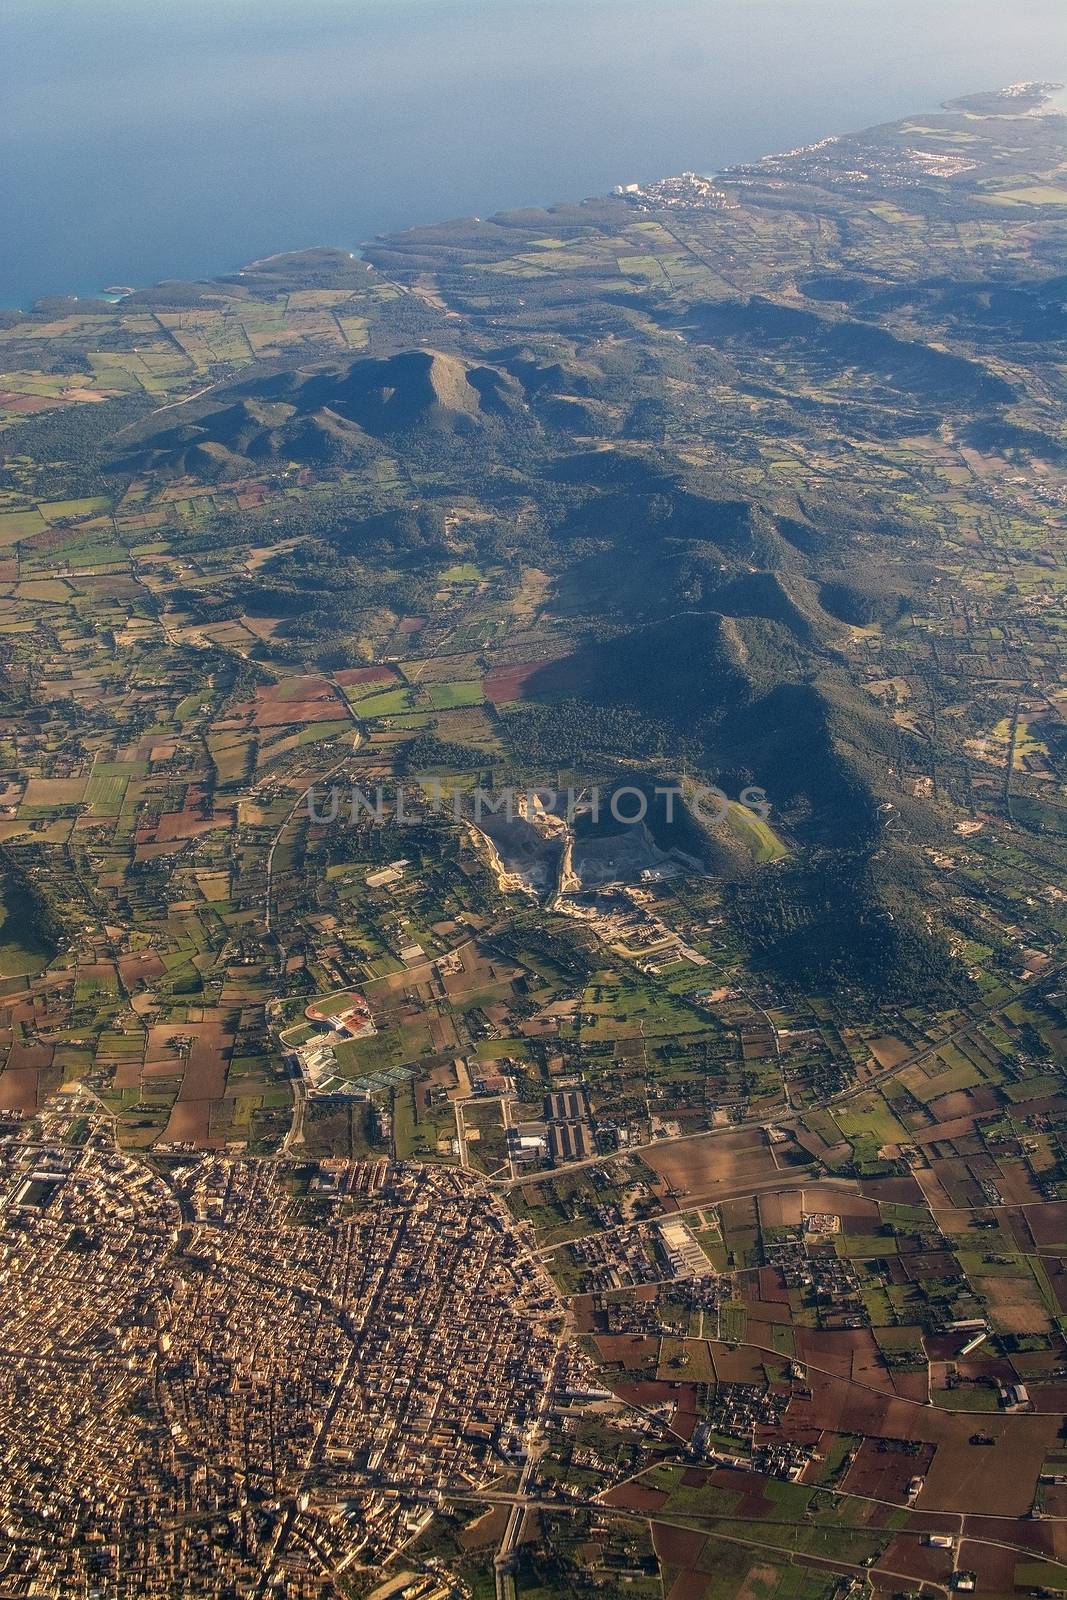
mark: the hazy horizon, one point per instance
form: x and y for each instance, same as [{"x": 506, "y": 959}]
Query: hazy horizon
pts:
[{"x": 146, "y": 143}]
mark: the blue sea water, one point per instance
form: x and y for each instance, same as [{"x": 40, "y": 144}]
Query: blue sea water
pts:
[{"x": 151, "y": 138}]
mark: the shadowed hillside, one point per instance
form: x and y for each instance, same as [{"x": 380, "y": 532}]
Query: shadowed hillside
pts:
[{"x": 333, "y": 414}]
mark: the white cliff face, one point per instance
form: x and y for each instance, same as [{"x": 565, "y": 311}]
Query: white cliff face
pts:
[{"x": 537, "y": 851}]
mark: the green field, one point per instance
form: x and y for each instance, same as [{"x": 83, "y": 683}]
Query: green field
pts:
[
  {"x": 386, "y": 704},
  {"x": 447, "y": 696},
  {"x": 106, "y": 789},
  {"x": 758, "y": 837}
]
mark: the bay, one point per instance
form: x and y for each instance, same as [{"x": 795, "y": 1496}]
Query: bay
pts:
[{"x": 169, "y": 138}]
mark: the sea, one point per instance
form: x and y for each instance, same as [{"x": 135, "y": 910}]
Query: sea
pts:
[{"x": 143, "y": 139}]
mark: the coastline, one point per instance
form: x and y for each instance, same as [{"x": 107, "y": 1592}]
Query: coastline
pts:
[{"x": 1051, "y": 101}]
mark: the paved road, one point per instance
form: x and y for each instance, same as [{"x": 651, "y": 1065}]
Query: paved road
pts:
[
  {"x": 853, "y": 1091},
  {"x": 268, "y": 915}
]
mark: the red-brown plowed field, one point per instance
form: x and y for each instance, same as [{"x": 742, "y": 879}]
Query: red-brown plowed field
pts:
[
  {"x": 361, "y": 675},
  {"x": 742, "y": 1364},
  {"x": 922, "y": 1562},
  {"x": 184, "y": 825},
  {"x": 27, "y": 404},
  {"x": 889, "y": 1051},
  {"x": 648, "y": 1392},
  {"x": 712, "y": 1167},
  {"x": 965, "y": 1102},
  {"x": 957, "y": 1128},
  {"x": 994, "y": 1568},
  {"x": 884, "y": 1474},
  {"x": 848, "y": 1352},
  {"x": 205, "y": 1067},
  {"x": 135, "y": 970},
  {"x": 858, "y": 1214},
  {"x": 635, "y": 1497},
  {"x": 1017, "y": 1184},
  {"x": 963, "y": 1477},
  {"x": 20, "y": 1082},
  {"x": 676, "y": 1547},
  {"x": 18, "y": 1089},
  {"x": 1048, "y": 1223},
  {"x": 1049, "y": 1396},
  {"x": 690, "y": 1586},
  {"x": 781, "y": 1210},
  {"x": 504, "y": 684},
  {"x": 911, "y": 1385},
  {"x": 772, "y": 1289},
  {"x": 632, "y": 1350},
  {"x": 1043, "y": 1538},
  {"x": 189, "y": 1123},
  {"x": 893, "y": 1191},
  {"x": 203, "y": 1082},
  {"x": 684, "y": 1419},
  {"x": 562, "y": 676},
  {"x": 297, "y": 700}
]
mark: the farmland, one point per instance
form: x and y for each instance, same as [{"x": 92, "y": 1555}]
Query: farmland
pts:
[{"x": 318, "y": 904}]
